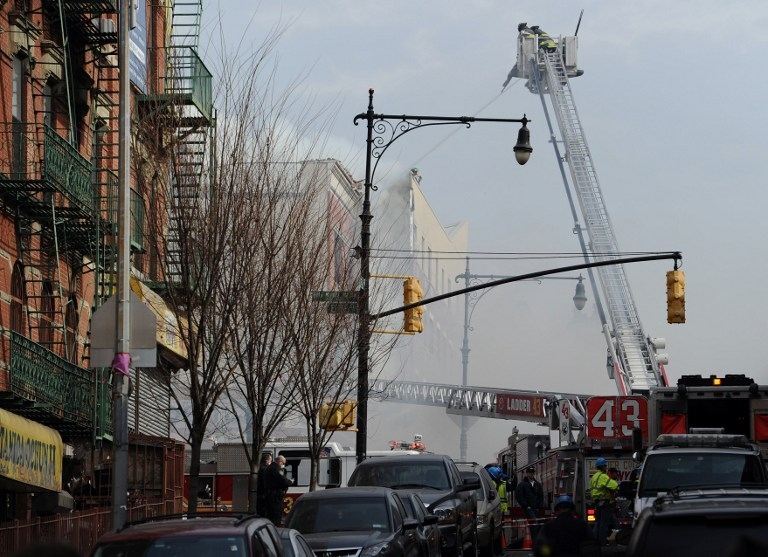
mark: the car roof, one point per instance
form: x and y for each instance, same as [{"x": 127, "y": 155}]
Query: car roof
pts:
[
  {"x": 351, "y": 492},
  {"x": 724, "y": 450},
  {"x": 705, "y": 501},
  {"x": 162, "y": 527},
  {"x": 405, "y": 458}
]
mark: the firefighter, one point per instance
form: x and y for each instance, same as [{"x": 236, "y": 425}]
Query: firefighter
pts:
[
  {"x": 566, "y": 535},
  {"x": 545, "y": 41},
  {"x": 603, "y": 490},
  {"x": 500, "y": 479}
]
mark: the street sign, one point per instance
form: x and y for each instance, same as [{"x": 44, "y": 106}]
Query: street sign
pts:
[
  {"x": 526, "y": 406},
  {"x": 342, "y": 307},
  {"x": 335, "y": 296},
  {"x": 564, "y": 415},
  {"x": 143, "y": 334},
  {"x": 614, "y": 417}
]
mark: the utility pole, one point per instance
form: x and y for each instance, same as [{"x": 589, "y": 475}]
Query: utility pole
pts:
[
  {"x": 121, "y": 364},
  {"x": 464, "y": 422}
]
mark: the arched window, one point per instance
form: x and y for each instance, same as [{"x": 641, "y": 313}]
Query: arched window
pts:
[
  {"x": 72, "y": 321},
  {"x": 47, "y": 309},
  {"x": 18, "y": 299}
]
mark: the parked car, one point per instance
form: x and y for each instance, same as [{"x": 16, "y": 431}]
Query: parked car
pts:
[
  {"x": 438, "y": 482},
  {"x": 488, "y": 508},
  {"x": 428, "y": 530},
  {"x": 294, "y": 544},
  {"x": 710, "y": 521},
  {"x": 355, "y": 522},
  {"x": 233, "y": 536}
]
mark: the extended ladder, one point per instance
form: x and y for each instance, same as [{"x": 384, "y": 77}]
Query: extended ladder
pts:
[{"x": 634, "y": 363}]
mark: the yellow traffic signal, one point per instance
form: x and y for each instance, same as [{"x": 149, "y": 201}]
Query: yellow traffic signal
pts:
[
  {"x": 339, "y": 416},
  {"x": 676, "y": 296},
  {"x": 412, "y": 293}
]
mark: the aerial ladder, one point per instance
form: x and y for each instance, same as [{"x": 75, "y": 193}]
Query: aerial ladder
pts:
[{"x": 633, "y": 361}]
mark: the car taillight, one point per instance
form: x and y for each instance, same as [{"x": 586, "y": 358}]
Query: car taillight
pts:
[{"x": 591, "y": 515}]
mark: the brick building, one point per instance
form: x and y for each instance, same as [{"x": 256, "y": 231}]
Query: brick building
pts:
[{"x": 58, "y": 186}]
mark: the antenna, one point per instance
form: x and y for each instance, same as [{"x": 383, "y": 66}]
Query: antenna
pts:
[{"x": 578, "y": 24}]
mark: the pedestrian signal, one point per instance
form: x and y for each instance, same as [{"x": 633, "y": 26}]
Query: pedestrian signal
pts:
[
  {"x": 676, "y": 296},
  {"x": 412, "y": 293}
]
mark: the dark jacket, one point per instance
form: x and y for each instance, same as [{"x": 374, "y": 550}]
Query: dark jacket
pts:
[
  {"x": 529, "y": 495},
  {"x": 566, "y": 535},
  {"x": 274, "y": 485}
]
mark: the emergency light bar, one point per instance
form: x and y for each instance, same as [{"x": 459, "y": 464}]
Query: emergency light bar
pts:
[
  {"x": 728, "y": 380},
  {"x": 697, "y": 440}
]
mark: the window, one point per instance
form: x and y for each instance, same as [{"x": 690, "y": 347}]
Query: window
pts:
[
  {"x": 18, "y": 299},
  {"x": 405, "y": 475},
  {"x": 47, "y": 105},
  {"x": 330, "y": 472},
  {"x": 297, "y": 467},
  {"x": 398, "y": 513},
  {"x": 47, "y": 310},
  {"x": 311, "y": 516},
  {"x": 267, "y": 542},
  {"x": 72, "y": 319},
  {"x": 19, "y": 90}
]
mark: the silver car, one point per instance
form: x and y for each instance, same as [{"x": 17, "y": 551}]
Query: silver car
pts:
[{"x": 489, "y": 518}]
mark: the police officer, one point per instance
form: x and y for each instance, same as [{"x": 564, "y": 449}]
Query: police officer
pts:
[{"x": 603, "y": 490}]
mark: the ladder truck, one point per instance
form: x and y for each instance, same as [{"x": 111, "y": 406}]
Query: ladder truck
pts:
[{"x": 633, "y": 361}]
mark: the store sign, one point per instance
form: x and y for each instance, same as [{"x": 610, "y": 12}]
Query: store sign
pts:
[
  {"x": 30, "y": 453},
  {"x": 526, "y": 406},
  {"x": 137, "y": 62}
]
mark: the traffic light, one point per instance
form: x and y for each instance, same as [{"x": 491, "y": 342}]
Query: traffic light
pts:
[
  {"x": 676, "y": 296},
  {"x": 412, "y": 292},
  {"x": 338, "y": 416}
]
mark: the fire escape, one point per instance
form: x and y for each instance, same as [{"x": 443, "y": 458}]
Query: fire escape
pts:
[
  {"x": 62, "y": 205},
  {"x": 184, "y": 108}
]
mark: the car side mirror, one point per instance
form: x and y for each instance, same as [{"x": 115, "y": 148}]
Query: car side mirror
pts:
[
  {"x": 410, "y": 524},
  {"x": 469, "y": 484},
  {"x": 431, "y": 519}
]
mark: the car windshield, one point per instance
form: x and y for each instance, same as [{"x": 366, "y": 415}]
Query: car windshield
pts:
[
  {"x": 182, "y": 546},
  {"x": 352, "y": 514},
  {"x": 734, "y": 534},
  {"x": 403, "y": 475},
  {"x": 663, "y": 472}
]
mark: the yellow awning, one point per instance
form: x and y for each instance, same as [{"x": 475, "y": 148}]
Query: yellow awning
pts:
[
  {"x": 168, "y": 326},
  {"x": 30, "y": 453}
]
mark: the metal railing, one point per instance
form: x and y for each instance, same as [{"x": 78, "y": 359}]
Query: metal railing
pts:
[
  {"x": 38, "y": 375},
  {"x": 38, "y": 159},
  {"x": 189, "y": 77},
  {"x": 80, "y": 529}
]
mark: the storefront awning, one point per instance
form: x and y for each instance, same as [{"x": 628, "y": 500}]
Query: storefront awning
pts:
[
  {"x": 168, "y": 326},
  {"x": 30, "y": 453}
]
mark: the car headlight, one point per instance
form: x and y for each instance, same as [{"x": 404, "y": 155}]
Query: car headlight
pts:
[
  {"x": 374, "y": 550},
  {"x": 445, "y": 515}
]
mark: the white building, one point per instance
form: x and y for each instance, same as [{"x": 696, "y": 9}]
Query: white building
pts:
[{"x": 409, "y": 239}]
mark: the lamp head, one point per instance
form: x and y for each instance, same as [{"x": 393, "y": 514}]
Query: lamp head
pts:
[
  {"x": 523, "y": 147},
  {"x": 580, "y": 297}
]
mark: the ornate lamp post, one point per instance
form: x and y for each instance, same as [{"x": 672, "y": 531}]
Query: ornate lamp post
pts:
[{"x": 382, "y": 131}]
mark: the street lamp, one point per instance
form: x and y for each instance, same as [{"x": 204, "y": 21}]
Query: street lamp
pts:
[
  {"x": 382, "y": 131},
  {"x": 470, "y": 303}
]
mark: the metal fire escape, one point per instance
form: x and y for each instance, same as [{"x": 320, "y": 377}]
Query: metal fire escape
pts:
[
  {"x": 633, "y": 361},
  {"x": 57, "y": 204},
  {"x": 186, "y": 105}
]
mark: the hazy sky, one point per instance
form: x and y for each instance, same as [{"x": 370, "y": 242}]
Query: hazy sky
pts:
[{"x": 672, "y": 104}]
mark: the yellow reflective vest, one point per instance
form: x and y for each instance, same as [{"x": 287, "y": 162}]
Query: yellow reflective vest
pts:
[
  {"x": 602, "y": 487},
  {"x": 501, "y": 490}
]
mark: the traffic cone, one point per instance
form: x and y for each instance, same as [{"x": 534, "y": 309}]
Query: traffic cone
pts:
[{"x": 527, "y": 540}]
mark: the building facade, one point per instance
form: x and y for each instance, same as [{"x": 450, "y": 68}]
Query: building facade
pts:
[
  {"x": 410, "y": 240},
  {"x": 58, "y": 228}
]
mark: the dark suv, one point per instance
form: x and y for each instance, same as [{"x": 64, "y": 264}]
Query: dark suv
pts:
[
  {"x": 438, "y": 482},
  {"x": 234, "y": 536},
  {"x": 710, "y": 521}
]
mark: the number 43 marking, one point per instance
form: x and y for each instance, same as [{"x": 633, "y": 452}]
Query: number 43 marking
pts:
[{"x": 604, "y": 417}]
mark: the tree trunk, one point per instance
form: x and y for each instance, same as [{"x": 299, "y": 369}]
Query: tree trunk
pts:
[
  {"x": 196, "y": 442},
  {"x": 257, "y": 445}
]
